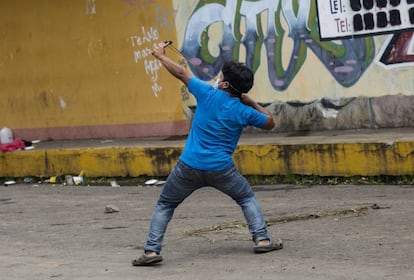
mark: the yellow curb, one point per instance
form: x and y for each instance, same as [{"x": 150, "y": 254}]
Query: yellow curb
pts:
[{"x": 325, "y": 159}]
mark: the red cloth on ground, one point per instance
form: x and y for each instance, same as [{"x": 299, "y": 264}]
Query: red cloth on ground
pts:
[{"x": 17, "y": 144}]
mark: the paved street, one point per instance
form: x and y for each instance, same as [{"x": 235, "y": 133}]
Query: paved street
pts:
[{"x": 330, "y": 232}]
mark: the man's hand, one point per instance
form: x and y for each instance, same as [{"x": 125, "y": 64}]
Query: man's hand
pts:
[
  {"x": 177, "y": 70},
  {"x": 159, "y": 50}
]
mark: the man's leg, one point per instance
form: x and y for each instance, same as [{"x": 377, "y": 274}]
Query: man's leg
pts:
[
  {"x": 232, "y": 183},
  {"x": 236, "y": 186},
  {"x": 182, "y": 181}
]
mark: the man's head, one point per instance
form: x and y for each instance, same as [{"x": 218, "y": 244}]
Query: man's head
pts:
[{"x": 237, "y": 78}]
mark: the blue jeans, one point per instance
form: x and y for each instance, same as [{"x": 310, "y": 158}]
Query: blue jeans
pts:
[{"x": 184, "y": 180}]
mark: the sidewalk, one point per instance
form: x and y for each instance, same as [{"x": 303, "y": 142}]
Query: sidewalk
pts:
[
  {"x": 329, "y": 233},
  {"x": 327, "y": 153}
]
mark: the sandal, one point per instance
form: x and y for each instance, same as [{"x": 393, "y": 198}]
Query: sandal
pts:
[
  {"x": 272, "y": 246},
  {"x": 146, "y": 260}
]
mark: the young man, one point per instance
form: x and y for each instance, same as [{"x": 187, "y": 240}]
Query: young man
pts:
[{"x": 222, "y": 113}]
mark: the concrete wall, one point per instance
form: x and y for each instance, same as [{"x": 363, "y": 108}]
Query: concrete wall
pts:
[
  {"x": 82, "y": 68},
  {"x": 308, "y": 84}
]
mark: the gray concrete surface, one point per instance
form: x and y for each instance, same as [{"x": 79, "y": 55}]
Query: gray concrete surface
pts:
[
  {"x": 330, "y": 232},
  {"x": 291, "y": 138}
]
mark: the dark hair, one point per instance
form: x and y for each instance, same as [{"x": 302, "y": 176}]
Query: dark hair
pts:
[{"x": 239, "y": 76}]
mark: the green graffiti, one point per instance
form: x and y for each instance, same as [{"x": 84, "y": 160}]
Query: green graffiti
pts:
[{"x": 346, "y": 60}]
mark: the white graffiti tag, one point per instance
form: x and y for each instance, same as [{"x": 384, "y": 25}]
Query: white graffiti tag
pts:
[{"x": 143, "y": 43}]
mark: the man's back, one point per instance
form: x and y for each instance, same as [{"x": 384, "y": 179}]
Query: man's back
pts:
[{"x": 216, "y": 127}]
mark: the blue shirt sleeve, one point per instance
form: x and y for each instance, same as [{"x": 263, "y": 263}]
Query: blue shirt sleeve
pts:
[
  {"x": 254, "y": 117},
  {"x": 198, "y": 88}
]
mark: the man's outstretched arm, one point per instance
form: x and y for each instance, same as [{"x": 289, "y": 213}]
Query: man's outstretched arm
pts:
[{"x": 177, "y": 70}]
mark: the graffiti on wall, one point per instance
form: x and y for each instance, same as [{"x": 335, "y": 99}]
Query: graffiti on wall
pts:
[
  {"x": 90, "y": 7},
  {"x": 242, "y": 30},
  {"x": 147, "y": 36},
  {"x": 399, "y": 50},
  {"x": 143, "y": 44}
]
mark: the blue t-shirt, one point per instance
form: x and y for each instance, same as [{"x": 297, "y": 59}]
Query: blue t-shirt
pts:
[{"x": 216, "y": 127}]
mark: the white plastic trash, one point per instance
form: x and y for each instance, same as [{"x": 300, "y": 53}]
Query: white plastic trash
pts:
[
  {"x": 8, "y": 183},
  {"x": 151, "y": 182},
  {"x": 77, "y": 180},
  {"x": 6, "y": 135}
]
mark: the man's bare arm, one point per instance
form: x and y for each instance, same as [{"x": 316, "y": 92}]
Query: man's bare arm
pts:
[{"x": 177, "y": 70}]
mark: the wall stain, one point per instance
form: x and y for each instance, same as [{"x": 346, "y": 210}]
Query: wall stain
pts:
[
  {"x": 43, "y": 98},
  {"x": 161, "y": 157}
]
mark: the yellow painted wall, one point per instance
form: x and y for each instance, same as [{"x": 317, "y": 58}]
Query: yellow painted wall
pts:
[
  {"x": 82, "y": 68},
  {"x": 85, "y": 63}
]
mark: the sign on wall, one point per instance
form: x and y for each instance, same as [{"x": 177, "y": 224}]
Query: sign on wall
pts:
[{"x": 348, "y": 18}]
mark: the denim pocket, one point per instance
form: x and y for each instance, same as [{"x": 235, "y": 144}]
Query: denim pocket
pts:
[{"x": 185, "y": 175}]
